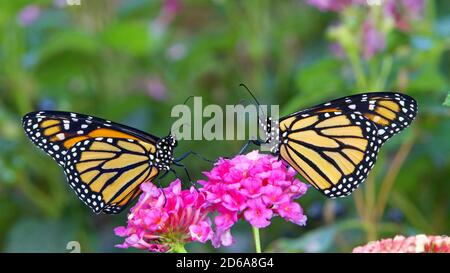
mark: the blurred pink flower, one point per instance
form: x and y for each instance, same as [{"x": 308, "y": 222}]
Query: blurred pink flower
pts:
[
  {"x": 404, "y": 11},
  {"x": 160, "y": 223},
  {"x": 373, "y": 40},
  {"x": 60, "y": 3},
  {"x": 334, "y": 5},
  {"x": 253, "y": 186},
  {"x": 28, "y": 15},
  {"x": 176, "y": 52},
  {"x": 167, "y": 13},
  {"x": 337, "y": 50},
  {"x": 156, "y": 88},
  {"x": 414, "y": 244},
  {"x": 172, "y": 6}
]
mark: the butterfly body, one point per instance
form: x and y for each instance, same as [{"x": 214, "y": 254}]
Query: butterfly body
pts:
[
  {"x": 104, "y": 162},
  {"x": 334, "y": 145}
]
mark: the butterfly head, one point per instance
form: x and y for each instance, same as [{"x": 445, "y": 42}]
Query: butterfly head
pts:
[
  {"x": 164, "y": 152},
  {"x": 271, "y": 133}
]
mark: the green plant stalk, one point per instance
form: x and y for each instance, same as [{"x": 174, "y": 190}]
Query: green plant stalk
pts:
[
  {"x": 412, "y": 212},
  {"x": 178, "y": 248},
  {"x": 357, "y": 67},
  {"x": 389, "y": 179},
  {"x": 370, "y": 193},
  {"x": 257, "y": 239},
  {"x": 386, "y": 68}
]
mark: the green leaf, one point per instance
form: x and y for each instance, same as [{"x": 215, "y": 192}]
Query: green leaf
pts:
[
  {"x": 129, "y": 37},
  {"x": 73, "y": 41},
  {"x": 316, "y": 82},
  {"x": 428, "y": 78},
  {"x": 396, "y": 39},
  {"x": 447, "y": 100},
  {"x": 322, "y": 76}
]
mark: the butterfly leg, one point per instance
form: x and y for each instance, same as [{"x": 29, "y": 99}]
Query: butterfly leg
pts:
[
  {"x": 163, "y": 175},
  {"x": 187, "y": 154},
  {"x": 256, "y": 142},
  {"x": 187, "y": 173},
  {"x": 160, "y": 187},
  {"x": 158, "y": 181}
]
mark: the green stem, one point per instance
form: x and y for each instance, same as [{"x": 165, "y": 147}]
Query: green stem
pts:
[
  {"x": 357, "y": 67},
  {"x": 257, "y": 239},
  {"x": 178, "y": 248},
  {"x": 386, "y": 67}
]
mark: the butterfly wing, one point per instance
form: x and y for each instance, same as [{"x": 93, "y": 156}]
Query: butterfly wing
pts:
[
  {"x": 106, "y": 172},
  {"x": 390, "y": 112},
  {"x": 334, "y": 145},
  {"x": 334, "y": 152},
  {"x": 76, "y": 141}
]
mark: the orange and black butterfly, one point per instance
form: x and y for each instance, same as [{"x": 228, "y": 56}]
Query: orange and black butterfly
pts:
[
  {"x": 104, "y": 162},
  {"x": 334, "y": 145}
]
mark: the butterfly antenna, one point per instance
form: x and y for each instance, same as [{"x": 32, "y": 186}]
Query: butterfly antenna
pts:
[
  {"x": 251, "y": 94},
  {"x": 242, "y": 101},
  {"x": 254, "y": 98},
  {"x": 187, "y": 99},
  {"x": 184, "y": 124}
]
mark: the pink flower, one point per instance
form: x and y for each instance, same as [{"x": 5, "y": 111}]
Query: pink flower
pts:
[
  {"x": 172, "y": 6},
  {"x": 334, "y": 5},
  {"x": 60, "y": 3},
  {"x": 176, "y": 51},
  {"x": 292, "y": 212},
  {"x": 156, "y": 88},
  {"x": 222, "y": 237},
  {"x": 404, "y": 11},
  {"x": 258, "y": 214},
  {"x": 255, "y": 187},
  {"x": 201, "y": 232},
  {"x": 167, "y": 13},
  {"x": 414, "y": 244},
  {"x": 373, "y": 40},
  {"x": 226, "y": 218},
  {"x": 160, "y": 222},
  {"x": 251, "y": 187},
  {"x": 28, "y": 15},
  {"x": 273, "y": 195},
  {"x": 153, "y": 85},
  {"x": 337, "y": 50}
]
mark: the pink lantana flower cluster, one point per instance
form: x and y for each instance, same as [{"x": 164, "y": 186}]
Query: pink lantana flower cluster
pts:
[
  {"x": 165, "y": 222},
  {"x": 255, "y": 187},
  {"x": 414, "y": 244}
]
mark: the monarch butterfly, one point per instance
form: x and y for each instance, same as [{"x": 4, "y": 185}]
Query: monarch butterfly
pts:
[
  {"x": 104, "y": 162},
  {"x": 334, "y": 145}
]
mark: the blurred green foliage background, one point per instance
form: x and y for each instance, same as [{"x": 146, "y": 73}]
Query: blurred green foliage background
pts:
[{"x": 131, "y": 61}]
